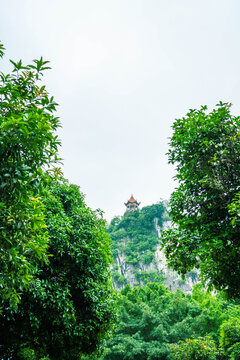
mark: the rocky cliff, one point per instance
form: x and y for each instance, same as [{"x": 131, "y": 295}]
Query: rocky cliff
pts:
[{"x": 136, "y": 250}]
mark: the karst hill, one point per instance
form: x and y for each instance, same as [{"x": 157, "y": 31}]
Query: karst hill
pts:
[{"x": 136, "y": 248}]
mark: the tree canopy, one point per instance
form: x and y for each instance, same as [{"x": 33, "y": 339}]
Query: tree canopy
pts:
[
  {"x": 28, "y": 144},
  {"x": 205, "y": 148},
  {"x": 156, "y": 324},
  {"x": 69, "y": 308},
  {"x": 56, "y": 296}
]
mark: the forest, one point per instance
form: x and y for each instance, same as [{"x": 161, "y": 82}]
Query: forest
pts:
[
  {"x": 56, "y": 288},
  {"x": 155, "y": 323}
]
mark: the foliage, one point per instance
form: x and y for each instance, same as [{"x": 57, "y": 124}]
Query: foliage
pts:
[
  {"x": 230, "y": 337},
  {"x": 205, "y": 148},
  {"x": 135, "y": 236},
  {"x": 234, "y": 351},
  {"x": 28, "y": 144},
  {"x": 1, "y": 50},
  {"x": 234, "y": 209},
  {"x": 30, "y": 354},
  {"x": 55, "y": 251},
  {"x": 143, "y": 277},
  {"x": 119, "y": 279},
  {"x": 69, "y": 308},
  {"x": 195, "y": 349},
  {"x": 153, "y": 320}
]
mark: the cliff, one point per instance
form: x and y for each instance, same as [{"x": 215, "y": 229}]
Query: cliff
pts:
[{"x": 136, "y": 250}]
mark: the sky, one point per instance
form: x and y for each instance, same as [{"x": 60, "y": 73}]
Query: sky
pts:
[{"x": 122, "y": 71}]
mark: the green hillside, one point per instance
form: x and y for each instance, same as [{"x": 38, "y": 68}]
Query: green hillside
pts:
[{"x": 135, "y": 236}]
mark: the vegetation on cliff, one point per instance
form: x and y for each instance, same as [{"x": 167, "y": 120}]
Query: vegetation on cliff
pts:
[{"x": 135, "y": 236}]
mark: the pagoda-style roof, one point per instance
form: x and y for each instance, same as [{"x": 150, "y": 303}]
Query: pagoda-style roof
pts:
[{"x": 132, "y": 201}]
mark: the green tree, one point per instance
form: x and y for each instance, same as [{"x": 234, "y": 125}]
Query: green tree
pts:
[
  {"x": 69, "y": 308},
  {"x": 152, "y": 318},
  {"x": 230, "y": 338},
  {"x": 234, "y": 209},
  {"x": 28, "y": 144},
  {"x": 205, "y": 147},
  {"x": 152, "y": 321},
  {"x": 195, "y": 349}
]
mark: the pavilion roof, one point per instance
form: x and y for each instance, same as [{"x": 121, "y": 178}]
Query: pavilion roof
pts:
[{"x": 132, "y": 201}]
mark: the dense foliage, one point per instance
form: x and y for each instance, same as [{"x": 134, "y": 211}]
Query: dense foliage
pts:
[
  {"x": 230, "y": 337},
  {"x": 69, "y": 307},
  {"x": 56, "y": 296},
  {"x": 195, "y": 349},
  {"x": 205, "y": 208},
  {"x": 156, "y": 324},
  {"x": 135, "y": 236},
  {"x": 27, "y": 144}
]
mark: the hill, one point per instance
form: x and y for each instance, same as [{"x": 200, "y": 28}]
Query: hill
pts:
[{"x": 136, "y": 250}]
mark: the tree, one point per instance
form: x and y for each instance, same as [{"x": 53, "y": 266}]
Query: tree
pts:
[
  {"x": 234, "y": 209},
  {"x": 152, "y": 321},
  {"x": 151, "y": 318},
  {"x": 69, "y": 308},
  {"x": 230, "y": 337},
  {"x": 28, "y": 144},
  {"x": 205, "y": 147},
  {"x": 195, "y": 349},
  {"x": 56, "y": 297}
]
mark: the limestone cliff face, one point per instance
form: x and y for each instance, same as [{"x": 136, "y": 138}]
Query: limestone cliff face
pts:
[
  {"x": 172, "y": 279},
  {"x": 139, "y": 272}
]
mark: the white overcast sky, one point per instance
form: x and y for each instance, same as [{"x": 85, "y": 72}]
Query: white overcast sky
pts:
[{"x": 122, "y": 71}]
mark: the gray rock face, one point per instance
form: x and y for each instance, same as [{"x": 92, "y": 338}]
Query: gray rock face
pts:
[{"x": 172, "y": 279}]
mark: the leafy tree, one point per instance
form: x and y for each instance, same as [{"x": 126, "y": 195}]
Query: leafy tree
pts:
[
  {"x": 205, "y": 148},
  {"x": 69, "y": 308},
  {"x": 152, "y": 318},
  {"x": 28, "y": 144},
  {"x": 230, "y": 337},
  {"x": 195, "y": 349},
  {"x": 152, "y": 321},
  {"x": 234, "y": 351},
  {"x": 234, "y": 209}
]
